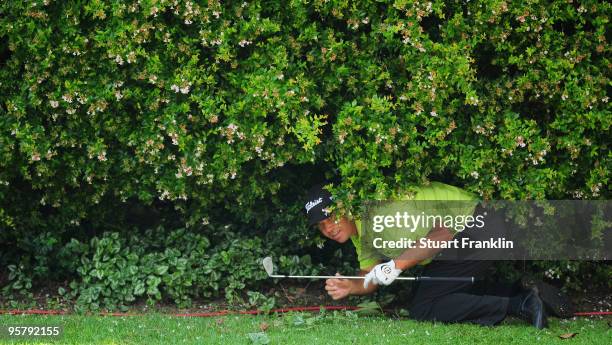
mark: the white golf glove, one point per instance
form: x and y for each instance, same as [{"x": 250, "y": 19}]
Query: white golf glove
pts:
[{"x": 383, "y": 274}]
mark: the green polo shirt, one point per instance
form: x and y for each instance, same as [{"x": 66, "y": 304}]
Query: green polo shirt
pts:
[{"x": 368, "y": 255}]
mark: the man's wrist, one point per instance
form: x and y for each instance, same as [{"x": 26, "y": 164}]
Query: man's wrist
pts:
[
  {"x": 403, "y": 265},
  {"x": 356, "y": 285}
]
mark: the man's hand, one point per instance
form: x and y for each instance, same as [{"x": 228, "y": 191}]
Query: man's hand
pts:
[
  {"x": 383, "y": 274},
  {"x": 338, "y": 288}
]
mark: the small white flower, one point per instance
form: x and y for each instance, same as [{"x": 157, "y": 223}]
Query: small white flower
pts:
[
  {"x": 185, "y": 90},
  {"x": 474, "y": 174},
  {"x": 175, "y": 88},
  {"x": 577, "y": 194},
  {"x": 54, "y": 104},
  {"x": 131, "y": 57},
  {"x": 433, "y": 113}
]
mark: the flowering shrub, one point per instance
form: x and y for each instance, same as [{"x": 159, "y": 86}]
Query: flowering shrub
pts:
[{"x": 209, "y": 112}]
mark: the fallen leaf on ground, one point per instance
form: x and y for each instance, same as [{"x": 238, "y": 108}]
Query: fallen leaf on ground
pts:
[
  {"x": 259, "y": 338},
  {"x": 567, "y": 335}
]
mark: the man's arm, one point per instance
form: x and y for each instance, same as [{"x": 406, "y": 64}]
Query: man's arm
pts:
[
  {"x": 412, "y": 256},
  {"x": 357, "y": 285},
  {"x": 341, "y": 288}
]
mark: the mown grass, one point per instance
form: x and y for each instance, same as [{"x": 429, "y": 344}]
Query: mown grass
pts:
[{"x": 302, "y": 329}]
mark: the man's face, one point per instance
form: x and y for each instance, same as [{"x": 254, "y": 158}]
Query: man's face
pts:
[{"x": 339, "y": 230}]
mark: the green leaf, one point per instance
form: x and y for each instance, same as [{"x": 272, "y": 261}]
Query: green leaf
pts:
[
  {"x": 139, "y": 289},
  {"x": 161, "y": 270},
  {"x": 298, "y": 320},
  {"x": 369, "y": 309},
  {"x": 259, "y": 338}
]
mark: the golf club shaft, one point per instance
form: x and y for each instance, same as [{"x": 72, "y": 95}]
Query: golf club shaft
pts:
[{"x": 440, "y": 279}]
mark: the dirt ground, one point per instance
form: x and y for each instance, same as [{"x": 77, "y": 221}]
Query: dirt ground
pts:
[{"x": 286, "y": 295}]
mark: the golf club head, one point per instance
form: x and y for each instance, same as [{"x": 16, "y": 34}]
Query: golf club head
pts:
[{"x": 268, "y": 265}]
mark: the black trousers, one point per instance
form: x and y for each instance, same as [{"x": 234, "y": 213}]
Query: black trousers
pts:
[{"x": 458, "y": 301}]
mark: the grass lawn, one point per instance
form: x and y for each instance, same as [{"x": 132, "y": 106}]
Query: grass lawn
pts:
[{"x": 338, "y": 327}]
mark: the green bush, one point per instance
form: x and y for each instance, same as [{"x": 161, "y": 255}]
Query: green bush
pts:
[
  {"x": 208, "y": 113},
  {"x": 179, "y": 266}
]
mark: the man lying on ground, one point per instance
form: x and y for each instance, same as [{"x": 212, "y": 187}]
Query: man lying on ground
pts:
[{"x": 441, "y": 301}]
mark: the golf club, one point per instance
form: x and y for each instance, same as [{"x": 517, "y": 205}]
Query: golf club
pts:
[{"x": 269, "y": 267}]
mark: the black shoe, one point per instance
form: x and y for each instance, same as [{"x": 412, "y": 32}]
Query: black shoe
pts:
[
  {"x": 532, "y": 310},
  {"x": 557, "y": 303}
]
